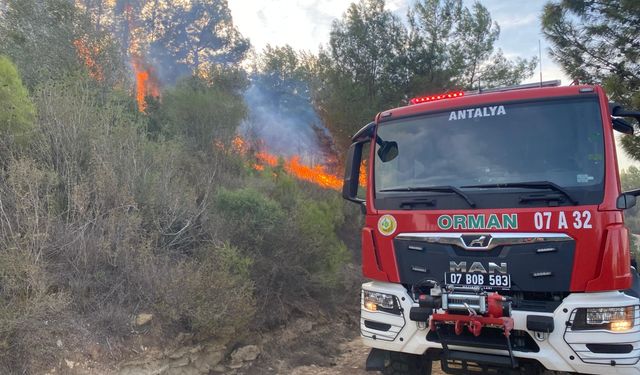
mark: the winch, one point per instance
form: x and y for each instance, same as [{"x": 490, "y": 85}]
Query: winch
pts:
[
  {"x": 473, "y": 308},
  {"x": 469, "y": 308}
]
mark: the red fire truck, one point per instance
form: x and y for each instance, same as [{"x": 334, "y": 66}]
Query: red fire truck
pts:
[{"x": 494, "y": 236}]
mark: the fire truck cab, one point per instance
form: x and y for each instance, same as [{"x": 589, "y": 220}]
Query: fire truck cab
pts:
[{"x": 494, "y": 235}]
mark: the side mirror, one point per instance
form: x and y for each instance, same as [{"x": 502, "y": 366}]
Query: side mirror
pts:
[
  {"x": 617, "y": 111},
  {"x": 625, "y": 201},
  {"x": 622, "y": 126},
  {"x": 352, "y": 173},
  {"x": 388, "y": 151}
]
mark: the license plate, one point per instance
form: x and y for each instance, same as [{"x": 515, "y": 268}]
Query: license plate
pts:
[{"x": 478, "y": 279}]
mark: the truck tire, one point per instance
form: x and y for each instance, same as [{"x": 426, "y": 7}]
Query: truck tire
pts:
[{"x": 407, "y": 364}]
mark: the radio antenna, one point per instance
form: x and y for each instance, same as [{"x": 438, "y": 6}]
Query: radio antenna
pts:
[{"x": 540, "y": 60}]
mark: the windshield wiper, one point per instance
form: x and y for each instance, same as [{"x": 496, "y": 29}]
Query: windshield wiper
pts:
[
  {"x": 443, "y": 189},
  {"x": 528, "y": 185}
]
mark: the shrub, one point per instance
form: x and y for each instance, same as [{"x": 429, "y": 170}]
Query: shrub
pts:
[
  {"x": 210, "y": 294},
  {"x": 297, "y": 256},
  {"x": 17, "y": 117},
  {"x": 250, "y": 219},
  {"x": 326, "y": 253},
  {"x": 200, "y": 113}
]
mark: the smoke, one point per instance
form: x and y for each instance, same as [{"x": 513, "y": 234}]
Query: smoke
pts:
[
  {"x": 164, "y": 41},
  {"x": 282, "y": 118}
]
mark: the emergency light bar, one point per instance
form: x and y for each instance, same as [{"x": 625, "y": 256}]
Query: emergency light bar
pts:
[
  {"x": 460, "y": 94},
  {"x": 431, "y": 98}
]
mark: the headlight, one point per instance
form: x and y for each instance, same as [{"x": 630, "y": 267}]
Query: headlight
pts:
[
  {"x": 609, "y": 318},
  {"x": 376, "y": 301}
]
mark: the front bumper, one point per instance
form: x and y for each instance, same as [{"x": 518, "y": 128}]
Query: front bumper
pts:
[{"x": 561, "y": 350}]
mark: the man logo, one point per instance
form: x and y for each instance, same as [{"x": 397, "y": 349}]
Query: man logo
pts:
[
  {"x": 478, "y": 242},
  {"x": 475, "y": 241}
]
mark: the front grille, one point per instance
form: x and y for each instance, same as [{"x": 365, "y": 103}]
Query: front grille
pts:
[{"x": 531, "y": 263}]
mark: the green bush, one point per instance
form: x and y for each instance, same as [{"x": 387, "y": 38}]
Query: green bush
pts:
[
  {"x": 210, "y": 294},
  {"x": 17, "y": 117},
  {"x": 296, "y": 255},
  {"x": 250, "y": 219},
  {"x": 326, "y": 253}
]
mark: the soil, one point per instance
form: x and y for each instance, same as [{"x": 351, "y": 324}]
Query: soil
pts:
[
  {"x": 314, "y": 347},
  {"x": 350, "y": 361}
]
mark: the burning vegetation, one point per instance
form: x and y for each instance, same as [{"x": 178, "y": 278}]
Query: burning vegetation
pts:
[
  {"x": 87, "y": 53},
  {"x": 316, "y": 174},
  {"x": 146, "y": 83}
]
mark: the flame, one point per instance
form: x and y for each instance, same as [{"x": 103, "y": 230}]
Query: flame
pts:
[
  {"x": 239, "y": 145},
  {"x": 87, "y": 53},
  {"x": 316, "y": 174},
  {"x": 146, "y": 83},
  {"x": 266, "y": 158}
]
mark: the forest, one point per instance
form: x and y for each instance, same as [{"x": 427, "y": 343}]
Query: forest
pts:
[{"x": 153, "y": 162}]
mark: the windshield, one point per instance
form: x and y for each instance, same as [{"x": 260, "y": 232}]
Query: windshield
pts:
[{"x": 557, "y": 141}]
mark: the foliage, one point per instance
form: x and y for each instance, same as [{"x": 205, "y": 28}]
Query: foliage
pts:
[
  {"x": 453, "y": 46},
  {"x": 363, "y": 70},
  {"x": 200, "y": 113},
  {"x": 181, "y": 38},
  {"x": 41, "y": 37},
  {"x": 210, "y": 294},
  {"x": 596, "y": 42},
  {"x": 374, "y": 62},
  {"x": 367, "y": 48},
  {"x": 18, "y": 115},
  {"x": 252, "y": 219},
  {"x": 198, "y": 34},
  {"x": 630, "y": 180},
  {"x": 292, "y": 243},
  {"x": 317, "y": 223},
  {"x": 99, "y": 223}
]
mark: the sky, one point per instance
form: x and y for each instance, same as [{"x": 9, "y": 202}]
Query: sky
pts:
[{"x": 305, "y": 25}]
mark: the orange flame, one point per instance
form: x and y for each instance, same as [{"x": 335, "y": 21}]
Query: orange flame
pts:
[
  {"x": 239, "y": 145},
  {"x": 316, "y": 174},
  {"x": 88, "y": 54},
  {"x": 146, "y": 84},
  {"x": 266, "y": 158}
]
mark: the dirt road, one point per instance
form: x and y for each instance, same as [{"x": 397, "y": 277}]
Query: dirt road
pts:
[{"x": 351, "y": 361}]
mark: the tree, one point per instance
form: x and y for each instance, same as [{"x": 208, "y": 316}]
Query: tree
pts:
[
  {"x": 373, "y": 62},
  {"x": 38, "y": 36},
  {"x": 49, "y": 39},
  {"x": 453, "y": 46},
  {"x": 281, "y": 72},
  {"x": 368, "y": 46},
  {"x": 193, "y": 36},
  {"x": 597, "y": 42},
  {"x": 18, "y": 112},
  {"x": 201, "y": 113},
  {"x": 363, "y": 70}
]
